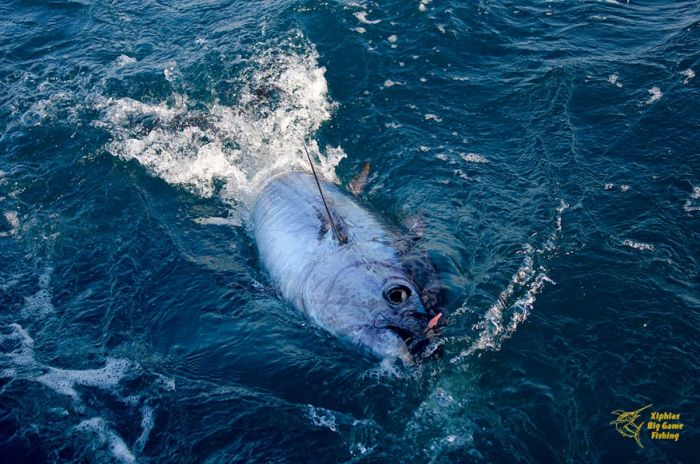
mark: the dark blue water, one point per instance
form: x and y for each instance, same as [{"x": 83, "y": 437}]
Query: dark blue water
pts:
[{"x": 549, "y": 148}]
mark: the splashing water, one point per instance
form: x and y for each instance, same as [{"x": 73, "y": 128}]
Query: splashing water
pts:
[
  {"x": 517, "y": 300},
  {"x": 230, "y": 151}
]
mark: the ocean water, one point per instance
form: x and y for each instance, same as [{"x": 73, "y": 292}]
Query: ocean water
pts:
[{"x": 549, "y": 148}]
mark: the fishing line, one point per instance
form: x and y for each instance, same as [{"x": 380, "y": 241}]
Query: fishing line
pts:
[{"x": 342, "y": 238}]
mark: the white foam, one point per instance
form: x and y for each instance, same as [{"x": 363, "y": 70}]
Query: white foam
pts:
[
  {"x": 515, "y": 303},
  {"x": 64, "y": 381},
  {"x": 147, "y": 423},
  {"x": 422, "y": 6},
  {"x": 22, "y": 353},
  {"x": 13, "y": 220},
  {"x": 359, "y": 30},
  {"x": 613, "y": 79},
  {"x": 390, "y": 83},
  {"x": 474, "y": 158},
  {"x": 432, "y": 117},
  {"x": 124, "y": 60},
  {"x": 359, "y": 449},
  {"x": 117, "y": 447},
  {"x": 689, "y": 74},
  {"x": 638, "y": 245},
  {"x": 39, "y": 304},
  {"x": 691, "y": 205},
  {"x": 549, "y": 244},
  {"x": 231, "y": 221},
  {"x": 656, "y": 95},
  {"x": 362, "y": 17},
  {"x": 171, "y": 73},
  {"x": 494, "y": 329},
  {"x": 121, "y": 111},
  {"x": 322, "y": 418},
  {"x": 47, "y": 107},
  {"x": 231, "y": 151},
  {"x": 21, "y": 358}
]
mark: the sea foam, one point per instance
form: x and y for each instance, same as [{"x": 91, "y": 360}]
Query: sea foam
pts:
[{"x": 230, "y": 151}]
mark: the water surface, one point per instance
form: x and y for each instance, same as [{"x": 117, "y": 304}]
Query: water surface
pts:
[{"x": 550, "y": 149}]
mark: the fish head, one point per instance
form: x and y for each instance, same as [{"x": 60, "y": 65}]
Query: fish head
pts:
[{"x": 374, "y": 306}]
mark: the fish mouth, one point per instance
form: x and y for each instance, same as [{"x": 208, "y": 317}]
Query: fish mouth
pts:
[{"x": 417, "y": 334}]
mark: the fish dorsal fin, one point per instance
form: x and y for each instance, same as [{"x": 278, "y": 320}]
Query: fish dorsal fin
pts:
[
  {"x": 326, "y": 225},
  {"x": 357, "y": 185},
  {"x": 342, "y": 238}
]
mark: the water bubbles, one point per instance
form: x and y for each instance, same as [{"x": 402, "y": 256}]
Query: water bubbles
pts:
[
  {"x": 656, "y": 95},
  {"x": 171, "y": 72},
  {"x": 641, "y": 246},
  {"x": 124, "y": 60},
  {"x": 516, "y": 301},
  {"x": 362, "y": 17},
  {"x": 474, "y": 158},
  {"x": 12, "y": 220},
  {"x": 104, "y": 435},
  {"x": 230, "y": 151},
  {"x": 39, "y": 304},
  {"x": 689, "y": 74},
  {"x": 65, "y": 381},
  {"x": 613, "y": 79},
  {"x": 622, "y": 187},
  {"x": 322, "y": 418}
]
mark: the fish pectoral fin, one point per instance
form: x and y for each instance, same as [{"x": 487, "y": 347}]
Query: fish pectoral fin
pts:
[{"x": 357, "y": 185}]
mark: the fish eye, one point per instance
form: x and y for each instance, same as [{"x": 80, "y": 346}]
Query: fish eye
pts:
[{"x": 397, "y": 295}]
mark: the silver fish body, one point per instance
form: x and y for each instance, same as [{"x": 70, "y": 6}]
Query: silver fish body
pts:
[{"x": 357, "y": 291}]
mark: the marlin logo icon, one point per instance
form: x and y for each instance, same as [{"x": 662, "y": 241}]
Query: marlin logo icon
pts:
[{"x": 626, "y": 423}]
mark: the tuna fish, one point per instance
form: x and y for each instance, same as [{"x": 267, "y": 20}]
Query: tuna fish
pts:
[{"x": 347, "y": 273}]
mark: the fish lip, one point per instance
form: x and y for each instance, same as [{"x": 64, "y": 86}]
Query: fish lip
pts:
[
  {"x": 418, "y": 345},
  {"x": 416, "y": 342},
  {"x": 413, "y": 328}
]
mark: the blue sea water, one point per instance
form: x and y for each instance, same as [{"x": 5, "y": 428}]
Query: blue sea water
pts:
[{"x": 549, "y": 148}]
